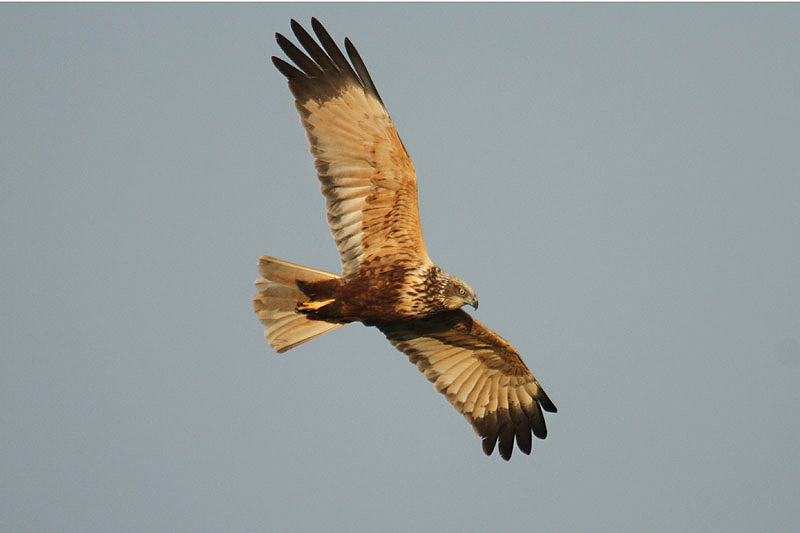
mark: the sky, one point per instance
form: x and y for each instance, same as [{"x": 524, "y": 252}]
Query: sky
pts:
[{"x": 620, "y": 184}]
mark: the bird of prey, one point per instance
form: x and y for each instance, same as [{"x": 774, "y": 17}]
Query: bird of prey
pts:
[{"x": 388, "y": 280}]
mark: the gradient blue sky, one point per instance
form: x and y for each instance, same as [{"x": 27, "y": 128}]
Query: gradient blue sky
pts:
[{"x": 619, "y": 183}]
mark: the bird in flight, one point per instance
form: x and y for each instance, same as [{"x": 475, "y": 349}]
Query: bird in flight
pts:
[{"x": 388, "y": 280}]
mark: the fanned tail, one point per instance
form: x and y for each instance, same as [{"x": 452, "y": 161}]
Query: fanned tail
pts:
[{"x": 277, "y": 300}]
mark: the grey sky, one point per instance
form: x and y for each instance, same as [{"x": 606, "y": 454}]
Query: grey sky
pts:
[{"x": 620, "y": 185}]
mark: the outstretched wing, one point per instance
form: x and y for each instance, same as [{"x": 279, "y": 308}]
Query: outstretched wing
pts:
[
  {"x": 481, "y": 375},
  {"x": 367, "y": 176}
]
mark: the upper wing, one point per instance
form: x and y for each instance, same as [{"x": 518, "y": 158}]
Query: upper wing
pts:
[
  {"x": 480, "y": 374},
  {"x": 367, "y": 176}
]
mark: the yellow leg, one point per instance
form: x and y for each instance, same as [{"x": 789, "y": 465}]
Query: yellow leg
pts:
[{"x": 314, "y": 306}]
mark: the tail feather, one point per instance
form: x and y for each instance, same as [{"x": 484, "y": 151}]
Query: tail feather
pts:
[
  {"x": 288, "y": 274},
  {"x": 277, "y": 299}
]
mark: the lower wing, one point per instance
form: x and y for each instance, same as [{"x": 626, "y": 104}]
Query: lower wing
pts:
[{"x": 479, "y": 373}]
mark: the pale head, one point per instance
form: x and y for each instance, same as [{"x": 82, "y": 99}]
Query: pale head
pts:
[{"x": 455, "y": 293}]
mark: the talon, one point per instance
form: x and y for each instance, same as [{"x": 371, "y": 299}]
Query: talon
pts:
[{"x": 313, "y": 306}]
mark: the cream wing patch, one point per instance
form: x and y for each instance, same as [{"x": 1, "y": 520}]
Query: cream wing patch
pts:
[{"x": 367, "y": 179}]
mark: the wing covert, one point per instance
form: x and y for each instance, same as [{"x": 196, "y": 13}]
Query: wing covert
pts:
[
  {"x": 480, "y": 374},
  {"x": 367, "y": 177}
]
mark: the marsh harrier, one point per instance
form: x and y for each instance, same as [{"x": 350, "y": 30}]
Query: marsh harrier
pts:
[{"x": 388, "y": 280}]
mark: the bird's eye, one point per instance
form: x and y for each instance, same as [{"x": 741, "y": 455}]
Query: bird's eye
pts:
[{"x": 461, "y": 291}]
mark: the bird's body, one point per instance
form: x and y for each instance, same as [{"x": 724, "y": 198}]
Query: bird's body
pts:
[
  {"x": 388, "y": 280},
  {"x": 378, "y": 297}
]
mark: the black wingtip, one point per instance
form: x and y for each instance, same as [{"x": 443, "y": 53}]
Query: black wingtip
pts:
[
  {"x": 524, "y": 440},
  {"x": 361, "y": 68},
  {"x": 280, "y": 39},
  {"x": 488, "y": 444},
  {"x": 298, "y": 29},
  {"x": 286, "y": 69},
  {"x": 506, "y": 445},
  {"x": 546, "y": 403},
  {"x": 506, "y": 451},
  {"x": 348, "y": 45}
]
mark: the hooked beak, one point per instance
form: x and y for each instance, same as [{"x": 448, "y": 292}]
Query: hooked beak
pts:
[{"x": 474, "y": 303}]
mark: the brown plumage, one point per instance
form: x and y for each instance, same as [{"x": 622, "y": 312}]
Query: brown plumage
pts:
[{"x": 388, "y": 280}]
